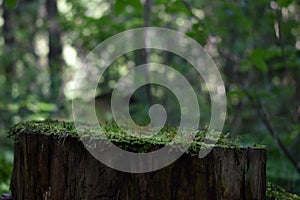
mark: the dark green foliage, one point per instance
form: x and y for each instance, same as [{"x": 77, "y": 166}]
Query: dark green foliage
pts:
[
  {"x": 10, "y": 3},
  {"x": 5, "y": 171}
]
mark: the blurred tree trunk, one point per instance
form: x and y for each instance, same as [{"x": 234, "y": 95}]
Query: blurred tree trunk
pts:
[
  {"x": 55, "y": 53},
  {"x": 7, "y": 63},
  {"x": 8, "y": 37},
  {"x": 147, "y": 11},
  {"x": 141, "y": 57}
]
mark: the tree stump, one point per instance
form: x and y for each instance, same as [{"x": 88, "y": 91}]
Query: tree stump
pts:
[{"x": 48, "y": 168}]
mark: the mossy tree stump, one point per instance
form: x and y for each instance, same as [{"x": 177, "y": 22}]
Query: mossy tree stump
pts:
[{"x": 46, "y": 167}]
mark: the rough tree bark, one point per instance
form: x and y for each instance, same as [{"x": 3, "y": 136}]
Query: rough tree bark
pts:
[{"x": 48, "y": 168}]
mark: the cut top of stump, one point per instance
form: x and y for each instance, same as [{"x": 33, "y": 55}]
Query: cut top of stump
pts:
[{"x": 133, "y": 141}]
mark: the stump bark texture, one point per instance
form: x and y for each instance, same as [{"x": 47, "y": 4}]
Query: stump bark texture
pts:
[{"x": 48, "y": 168}]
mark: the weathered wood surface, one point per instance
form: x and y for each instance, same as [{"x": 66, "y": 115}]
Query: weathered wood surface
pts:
[{"x": 46, "y": 168}]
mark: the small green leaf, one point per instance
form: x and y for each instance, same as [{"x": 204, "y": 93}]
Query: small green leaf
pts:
[
  {"x": 121, "y": 6},
  {"x": 10, "y": 3},
  {"x": 257, "y": 58},
  {"x": 236, "y": 92},
  {"x": 284, "y": 3},
  {"x": 261, "y": 65}
]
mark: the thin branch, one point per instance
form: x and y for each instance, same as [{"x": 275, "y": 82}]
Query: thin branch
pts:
[
  {"x": 264, "y": 117},
  {"x": 259, "y": 107},
  {"x": 237, "y": 118},
  {"x": 147, "y": 12},
  {"x": 190, "y": 9}
]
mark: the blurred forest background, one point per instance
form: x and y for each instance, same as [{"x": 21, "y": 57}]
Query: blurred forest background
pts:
[{"x": 255, "y": 44}]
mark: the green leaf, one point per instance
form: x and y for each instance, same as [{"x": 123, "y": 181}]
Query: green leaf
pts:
[
  {"x": 236, "y": 92},
  {"x": 10, "y": 3},
  {"x": 258, "y": 60},
  {"x": 122, "y": 5},
  {"x": 284, "y": 3},
  {"x": 261, "y": 65},
  {"x": 46, "y": 106}
]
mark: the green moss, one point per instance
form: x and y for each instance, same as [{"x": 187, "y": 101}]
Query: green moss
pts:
[
  {"x": 259, "y": 146},
  {"x": 278, "y": 193},
  {"x": 132, "y": 142}
]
